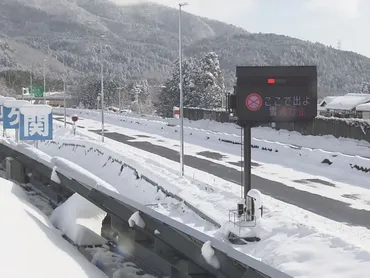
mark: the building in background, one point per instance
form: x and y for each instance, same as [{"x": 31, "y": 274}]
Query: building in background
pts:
[
  {"x": 364, "y": 109},
  {"x": 343, "y": 106}
]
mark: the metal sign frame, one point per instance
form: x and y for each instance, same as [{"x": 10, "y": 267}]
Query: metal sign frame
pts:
[
  {"x": 276, "y": 94},
  {"x": 272, "y": 94}
]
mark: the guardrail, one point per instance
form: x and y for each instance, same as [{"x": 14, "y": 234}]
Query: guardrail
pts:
[{"x": 174, "y": 251}]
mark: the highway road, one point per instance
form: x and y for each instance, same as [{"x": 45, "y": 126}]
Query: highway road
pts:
[{"x": 326, "y": 207}]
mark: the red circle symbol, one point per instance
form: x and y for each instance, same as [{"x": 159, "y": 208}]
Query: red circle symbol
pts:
[{"x": 253, "y": 102}]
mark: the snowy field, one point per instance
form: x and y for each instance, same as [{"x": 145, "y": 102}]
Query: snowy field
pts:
[
  {"x": 286, "y": 166},
  {"x": 279, "y": 156},
  {"x": 227, "y": 131},
  {"x": 295, "y": 241},
  {"x": 34, "y": 248}
]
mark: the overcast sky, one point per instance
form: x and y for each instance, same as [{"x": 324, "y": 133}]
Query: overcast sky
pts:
[{"x": 325, "y": 21}]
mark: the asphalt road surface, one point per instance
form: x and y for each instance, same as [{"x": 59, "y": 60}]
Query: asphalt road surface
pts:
[{"x": 326, "y": 207}]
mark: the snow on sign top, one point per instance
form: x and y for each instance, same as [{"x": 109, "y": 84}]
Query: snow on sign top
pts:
[
  {"x": 36, "y": 110},
  {"x": 15, "y": 103},
  {"x": 3, "y": 99}
]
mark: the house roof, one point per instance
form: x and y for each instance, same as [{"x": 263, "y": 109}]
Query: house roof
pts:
[
  {"x": 321, "y": 106},
  {"x": 363, "y": 107},
  {"x": 348, "y": 102},
  {"x": 326, "y": 100}
]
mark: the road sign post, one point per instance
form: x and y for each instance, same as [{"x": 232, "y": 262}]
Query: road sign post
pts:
[
  {"x": 11, "y": 115},
  {"x": 74, "y": 120},
  {"x": 272, "y": 94},
  {"x": 36, "y": 123}
]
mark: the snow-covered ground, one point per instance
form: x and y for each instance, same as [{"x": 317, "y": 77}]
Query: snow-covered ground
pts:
[
  {"x": 288, "y": 166},
  {"x": 195, "y": 130},
  {"x": 295, "y": 241},
  {"x": 276, "y": 155},
  {"x": 31, "y": 246}
]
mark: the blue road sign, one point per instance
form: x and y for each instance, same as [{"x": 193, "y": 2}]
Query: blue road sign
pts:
[
  {"x": 36, "y": 123},
  {"x": 2, "y": 100},
  {"x": 11, "y": 113},
  {"x": 10, "y": 118}
]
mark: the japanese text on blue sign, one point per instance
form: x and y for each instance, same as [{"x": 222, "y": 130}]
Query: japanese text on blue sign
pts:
[{"x": 36, "y": 123}]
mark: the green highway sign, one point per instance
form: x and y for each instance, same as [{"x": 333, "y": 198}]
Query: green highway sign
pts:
[{"x": 37, "y": 91}]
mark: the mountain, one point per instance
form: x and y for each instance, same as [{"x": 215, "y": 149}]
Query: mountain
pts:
[
  {"x": 141, "y": 41},
  {"x": 339, "y": 72}
]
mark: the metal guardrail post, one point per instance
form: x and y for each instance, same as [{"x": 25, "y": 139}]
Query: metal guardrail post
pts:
[{"x": 15, "y": 170}]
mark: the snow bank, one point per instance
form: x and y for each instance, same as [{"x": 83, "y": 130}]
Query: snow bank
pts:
[
  {"x": 74, "y": 171},
  {"x": 131, "y": 175},
  {"x": 34, "y": 248},
  {"x": 209, "y": 255},
  {"x": 54, "y": 175},
  {"x": 77, "y": 218},
  {"x": 80, "y": 220},
  {"x": 27, "y": 150},
  {"x": 314, "y": 156},
  {"x": 136, "y": 220},
  {"x": 113, "y": 168}
]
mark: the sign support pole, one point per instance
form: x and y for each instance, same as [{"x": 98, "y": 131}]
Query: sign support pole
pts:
[{"x": 247, "y": 159}]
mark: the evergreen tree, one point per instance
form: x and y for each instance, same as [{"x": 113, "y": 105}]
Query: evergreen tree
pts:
[
  {"x": 365, "y": 88},
  {"x": 203, "y": 85},
  {"x": 139, "y": 91},
  {"x": 211, "y": 82},
  {"x": 168, "y": 98},
  {"x": 90, "y": 89},
  {"x": 170, "y": 95}
]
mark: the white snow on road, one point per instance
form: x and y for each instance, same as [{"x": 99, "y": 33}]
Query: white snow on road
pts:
[
  {"x": 201, "y": 128},
  {"x": 346, "y": 185},
  {"x": 31, "y": 246}
]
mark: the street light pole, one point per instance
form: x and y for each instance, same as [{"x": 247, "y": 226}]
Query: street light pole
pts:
[
  {"x": 64, "y": 95},
  {"x": 181, "y": 95},
  {"x": 44, "y": 82},
  {"x": 30, "y": 89},
  {"x": 64, "y": 103},
  {"x": 102, "y": 91},
  {"x": 119, "y": 98}
]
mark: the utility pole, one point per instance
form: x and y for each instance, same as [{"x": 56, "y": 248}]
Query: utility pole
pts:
[
  {"x": 44, "y": 81},
  {"x": 102, "y": 90},
  {"x": 181, "y": 96},
  {"x": 30, "y": 90},
  {"x": 119, "y": 98},
  {"x": 64, "y": 95},
  {"x": 64, "y": 103}
]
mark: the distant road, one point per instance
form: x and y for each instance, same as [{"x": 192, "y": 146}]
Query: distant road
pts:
[{"x": 326, "y": 207}]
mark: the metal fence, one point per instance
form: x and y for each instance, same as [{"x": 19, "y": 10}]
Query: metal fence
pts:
[{"x": 338, "y": 127}]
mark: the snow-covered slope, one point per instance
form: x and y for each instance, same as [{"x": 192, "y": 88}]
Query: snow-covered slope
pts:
[
  {"x": 34, "y": 248},
  {"x": 293, "y": 240}
]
